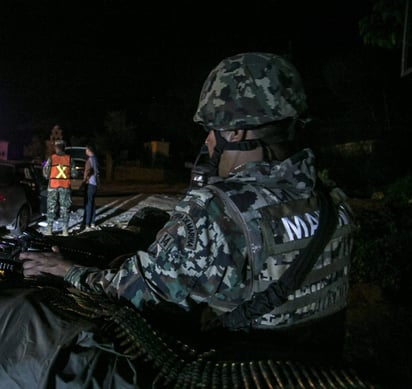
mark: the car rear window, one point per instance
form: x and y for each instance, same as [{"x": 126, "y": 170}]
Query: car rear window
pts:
[{"x": 76, "y": 152}]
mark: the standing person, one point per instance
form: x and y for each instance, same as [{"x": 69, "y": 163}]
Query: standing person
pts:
[
  {"x": 90, "y": 179},
  {"x": 262, "y": 229},
  {"x": 59, "y": 169}
]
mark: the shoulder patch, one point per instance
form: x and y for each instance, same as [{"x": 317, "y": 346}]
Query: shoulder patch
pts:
[{"x": 186, "y": 221}]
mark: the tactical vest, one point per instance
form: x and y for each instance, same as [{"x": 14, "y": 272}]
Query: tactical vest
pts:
[
  {"x": 60, "y": 171},
  {"x": 276, "y": 230}
]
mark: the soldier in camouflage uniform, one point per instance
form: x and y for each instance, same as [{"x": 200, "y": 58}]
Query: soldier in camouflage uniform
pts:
[
  {"x": 231, "y": 239},
  {"x": 59, "y": 169}
]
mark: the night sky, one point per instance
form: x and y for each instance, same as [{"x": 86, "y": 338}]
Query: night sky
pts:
[{"x": 70, "y": 62}]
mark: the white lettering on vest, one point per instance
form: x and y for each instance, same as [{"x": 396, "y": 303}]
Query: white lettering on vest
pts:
[{"x": 300, "y": 227}]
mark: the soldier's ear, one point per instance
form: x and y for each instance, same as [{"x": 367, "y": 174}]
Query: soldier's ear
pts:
[{"x": 236, "y": 135}]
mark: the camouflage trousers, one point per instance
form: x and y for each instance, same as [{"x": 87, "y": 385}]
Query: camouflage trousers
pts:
[{"x": 58, "y": 200}]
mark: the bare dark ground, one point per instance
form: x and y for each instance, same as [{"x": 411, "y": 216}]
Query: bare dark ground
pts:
[
  {"x": 378, "y": 337},
  {"x": 379, "y": 323}
]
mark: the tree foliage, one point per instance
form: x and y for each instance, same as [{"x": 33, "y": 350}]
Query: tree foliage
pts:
[
  {"x": 118, "y": 134},
  {"x": 383, "y": 27}
]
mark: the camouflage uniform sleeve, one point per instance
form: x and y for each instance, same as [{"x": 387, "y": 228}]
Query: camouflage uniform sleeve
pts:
[
  {"x": 189, "y": 260},
  {"x": 46, "y": 169}
]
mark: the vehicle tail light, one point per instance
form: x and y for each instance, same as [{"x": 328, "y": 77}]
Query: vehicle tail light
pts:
[{"x": 2, "y": 197}]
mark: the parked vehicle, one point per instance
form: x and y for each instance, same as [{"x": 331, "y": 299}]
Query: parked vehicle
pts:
[
  {"x": 23, "y": 194},
  {"x": 78, "y": 155}
]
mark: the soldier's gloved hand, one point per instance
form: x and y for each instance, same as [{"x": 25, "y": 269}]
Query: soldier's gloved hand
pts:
[{"x": 36, "y": 263}]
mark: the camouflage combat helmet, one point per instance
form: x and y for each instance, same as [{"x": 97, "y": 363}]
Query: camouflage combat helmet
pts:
[{"x": 248, "y": 90}]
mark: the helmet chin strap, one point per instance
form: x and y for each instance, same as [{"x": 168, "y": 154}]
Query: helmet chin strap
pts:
[
  {"x": 222, "y": 144},
  {"x": 217, "y": 152}
]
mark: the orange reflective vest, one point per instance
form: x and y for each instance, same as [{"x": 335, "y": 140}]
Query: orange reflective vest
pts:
[{"x": 60, "y": 171}]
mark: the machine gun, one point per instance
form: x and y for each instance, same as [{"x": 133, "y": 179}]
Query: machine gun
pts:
[
  {"x": 95, "y": 248},
  {"x": 10, "y": 249},
  {"x": 77, "y": 250}
]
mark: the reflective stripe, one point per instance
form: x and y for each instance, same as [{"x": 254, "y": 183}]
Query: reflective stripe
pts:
[
  {"x": 319, "y": 274},
  {"x": 302, "y": 301},
  {"x": 291, "y": 312},
  {"x": 316, "y": 274}
]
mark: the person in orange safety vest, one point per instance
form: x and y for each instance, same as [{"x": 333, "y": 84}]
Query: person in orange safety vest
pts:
[{"x": 59, "y": 170}]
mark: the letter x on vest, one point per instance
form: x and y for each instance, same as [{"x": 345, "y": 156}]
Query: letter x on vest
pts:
[{"x": 61, "y": 170}]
